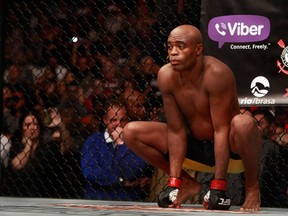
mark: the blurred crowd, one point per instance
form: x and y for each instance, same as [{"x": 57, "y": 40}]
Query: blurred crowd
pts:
[
  {"x": 60, "y": 68},
  {"x": 79, "y": 56},
  {"x": 63, "y": 61}
]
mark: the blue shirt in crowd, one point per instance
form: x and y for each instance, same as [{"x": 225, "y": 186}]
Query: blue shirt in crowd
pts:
[{"x": 104, "y": 164}]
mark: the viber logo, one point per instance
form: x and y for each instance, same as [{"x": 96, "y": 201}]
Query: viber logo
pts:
[{"x": 238, "y": 28}]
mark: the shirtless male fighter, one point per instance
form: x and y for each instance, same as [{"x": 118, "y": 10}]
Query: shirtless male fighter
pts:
[{"x": 202, "y": 111}]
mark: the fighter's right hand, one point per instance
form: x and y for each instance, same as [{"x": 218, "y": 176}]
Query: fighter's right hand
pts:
[{"x": 169, "y": 194}]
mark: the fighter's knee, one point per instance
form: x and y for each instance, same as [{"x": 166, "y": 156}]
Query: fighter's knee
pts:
[
  {"x": 129, "y": 130},
  {"x": 243, "y": 123}
]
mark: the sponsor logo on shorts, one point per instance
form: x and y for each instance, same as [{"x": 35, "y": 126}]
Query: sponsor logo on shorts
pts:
[{"x": 239, "y": 29}]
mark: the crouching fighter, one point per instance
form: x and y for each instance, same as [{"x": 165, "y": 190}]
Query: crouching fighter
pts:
[{"x": 203, "y": 123}]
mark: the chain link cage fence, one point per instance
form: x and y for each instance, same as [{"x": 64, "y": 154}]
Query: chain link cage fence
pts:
[{"x": 61, "y": 62}]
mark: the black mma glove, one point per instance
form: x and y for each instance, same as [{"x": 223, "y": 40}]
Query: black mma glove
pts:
[
  {"x": 216, "y": 198},
  {"x": 169, "y": 194}
]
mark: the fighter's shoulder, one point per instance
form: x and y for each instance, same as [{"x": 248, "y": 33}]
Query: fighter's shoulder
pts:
[
  {"x": 166, "y": 67},
  {"x": 216, "y": 67},
  {"x": 165, "y": 71},
  {"x": 165, "y": 76}
]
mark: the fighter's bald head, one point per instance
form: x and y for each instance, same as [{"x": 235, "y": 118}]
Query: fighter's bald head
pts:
[{"x": 190, "y": 31}]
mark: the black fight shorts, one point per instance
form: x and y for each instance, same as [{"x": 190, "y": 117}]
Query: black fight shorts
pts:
[{"x": 203, "y": 151}]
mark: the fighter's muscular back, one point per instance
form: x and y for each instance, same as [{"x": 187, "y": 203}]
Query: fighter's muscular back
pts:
[{"x": 203, "y": 96}]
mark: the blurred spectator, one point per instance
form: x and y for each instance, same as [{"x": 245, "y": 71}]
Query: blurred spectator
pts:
[
  {"x": 112, "y": 170},
  {"x": 110, "y": 73},
  {"x": 66, "y": 128},
  {"x": 61, "y": 122},
  {"x": 80, "y": 68},
  {"x": 19, "y": 84},
  {"x": 96, "y": 98},
  {"x": 37, "y": 167},
  {"x": 46, "y": 89},
  {"x": 266, "y": 120},
  {"x": 134, "y": 56},
  {"x": 63, "y": 85},
  {"x": 149, "y": 69},
  {"x": 146, "y": 28},
  {"x": 32, "y": 161},
  {"x": 11, "y": 106},
  {"x": 84, "y": 68},
  {"x": 281, "y": 131},
  {"x": 15, "y": 76},
  {"x": 127, "y": 78},
  {"x": 74, "y": 96},
  {"x": 135, "y": 103},
  {"x": 58, "y": 131},
  {"x": 139, "y": 107},
  {"x": 92, "y": 124},
  {"x": 44, "y": 74},
  {"x": 94, "y": 106},
  {"x": 53, "y": 62},
  {"x": 14, "y": 44},
  {"x": 12, "y": 75},
  {"x": 114, "y": 21}
]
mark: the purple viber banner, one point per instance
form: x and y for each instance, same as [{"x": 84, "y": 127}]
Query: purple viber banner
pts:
[
  {"x": 251, "y": 37},
  {"x": 238, "y": 28}
]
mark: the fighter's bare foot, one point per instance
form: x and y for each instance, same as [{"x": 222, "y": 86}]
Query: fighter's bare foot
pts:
[
  {"x": 252, "y": 200},
  {"x": 189, "y": 188}
]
